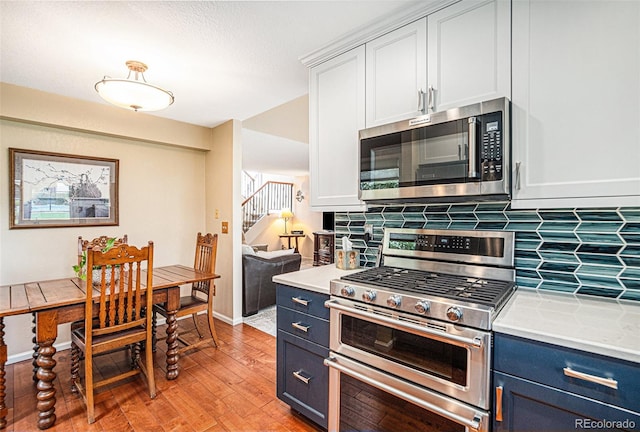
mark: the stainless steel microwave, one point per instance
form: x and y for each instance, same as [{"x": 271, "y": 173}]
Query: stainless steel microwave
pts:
[{"x": 461, "y": 153}]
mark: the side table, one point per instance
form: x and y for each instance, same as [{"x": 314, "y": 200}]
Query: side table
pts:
[{"x": 292, "y": 236}]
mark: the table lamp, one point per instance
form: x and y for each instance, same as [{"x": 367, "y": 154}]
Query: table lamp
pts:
[{"x": 286, "y": 214}]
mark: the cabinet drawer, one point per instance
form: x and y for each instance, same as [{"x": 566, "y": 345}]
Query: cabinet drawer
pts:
[
  {"x": 304, "y": 325},
  {"x": 303, "y": 379},
  {"x": 302, "y": 300},
  {"x": 549, "y": 364},
  {"x": 529, "y": 406}
]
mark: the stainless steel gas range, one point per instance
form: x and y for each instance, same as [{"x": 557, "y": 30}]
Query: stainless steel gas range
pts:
[{"x": 411, "y": 340}]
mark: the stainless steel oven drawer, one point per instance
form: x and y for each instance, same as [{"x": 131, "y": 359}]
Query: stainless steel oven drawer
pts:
[
  {"x": 304, "y": 325},
  {"x": 606, "y": 379}
]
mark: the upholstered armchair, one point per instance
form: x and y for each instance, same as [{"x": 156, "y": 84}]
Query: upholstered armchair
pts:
[{"x": 258, "y": 269}]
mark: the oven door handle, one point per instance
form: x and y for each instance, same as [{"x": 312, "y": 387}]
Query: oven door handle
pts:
[
  {"x": 473, "y": 424},
  {"x": 381, "y": 319}
]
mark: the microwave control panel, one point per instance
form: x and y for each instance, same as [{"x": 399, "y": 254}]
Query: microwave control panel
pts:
[{"x": 491, "y": 147}]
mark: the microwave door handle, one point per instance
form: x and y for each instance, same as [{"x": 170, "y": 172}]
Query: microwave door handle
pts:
[{"x": 473, "y": 148}]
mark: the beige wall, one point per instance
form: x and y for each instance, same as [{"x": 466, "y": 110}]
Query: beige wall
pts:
[
  {"x": 223, "y": 200},
  {"x": 37, "y": 107},
  {"x": 289, "y": 120},
  {"x": 164, "y": 193}
]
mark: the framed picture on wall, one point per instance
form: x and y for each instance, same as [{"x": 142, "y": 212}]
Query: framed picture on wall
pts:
[{"x": 59, "y": 190}]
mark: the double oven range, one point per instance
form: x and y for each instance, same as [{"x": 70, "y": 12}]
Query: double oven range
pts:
[{"x": 410, "y": 340}]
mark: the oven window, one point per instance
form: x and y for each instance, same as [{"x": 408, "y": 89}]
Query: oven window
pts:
[
  {"x": 364, "y": 407},
  {"x": 418, "y": 352}
]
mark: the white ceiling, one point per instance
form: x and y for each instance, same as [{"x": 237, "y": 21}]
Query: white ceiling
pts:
[{"x": 221, "y": 59}]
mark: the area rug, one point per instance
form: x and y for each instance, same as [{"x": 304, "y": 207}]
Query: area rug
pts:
[{"x": 264, "y": 320}]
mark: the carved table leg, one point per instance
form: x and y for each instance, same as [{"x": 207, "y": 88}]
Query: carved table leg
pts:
[
  {"x": 47, "y": 331},
  {"x": 75, "y": 367},
  {"x": 154, "y": 327},
  {"x": 34, "y": 361},
  {"x": 172, "y": 345},
  {"x": 3, "y": 361}
]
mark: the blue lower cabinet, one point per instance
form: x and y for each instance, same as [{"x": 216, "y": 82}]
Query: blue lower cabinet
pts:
[
  {"x": 536, "y": 388},
  {"x": 530, "y": 406},
  {"x": 302, "y": 346},
  {"x": 303, "y": 379}
]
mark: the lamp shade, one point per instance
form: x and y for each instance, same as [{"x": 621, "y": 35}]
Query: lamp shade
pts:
[
  {"x": 286, "y": 213},
  {"x": 134, "y": 94}
]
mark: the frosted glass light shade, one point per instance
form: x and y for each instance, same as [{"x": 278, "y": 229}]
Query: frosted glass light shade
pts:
[{"x": 134, "y": 94}]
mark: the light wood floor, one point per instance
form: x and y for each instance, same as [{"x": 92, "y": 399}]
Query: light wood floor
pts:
[{"x": 232, "y": 388}]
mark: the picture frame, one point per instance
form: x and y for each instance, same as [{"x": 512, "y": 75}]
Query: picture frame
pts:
[{"x": 53, "y": 190}]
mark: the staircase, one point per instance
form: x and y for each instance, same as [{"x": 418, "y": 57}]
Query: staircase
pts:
[{"x": 271, "y": 197}]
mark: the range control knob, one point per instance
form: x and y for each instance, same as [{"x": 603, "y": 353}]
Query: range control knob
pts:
[
  {"x": 454, "y": 314},
  {"x": 369, "y": 296},
  {"x": 347, "y": 291},
  {"x": 422, "y": 307},
  {"x": 394, "y": 301}
]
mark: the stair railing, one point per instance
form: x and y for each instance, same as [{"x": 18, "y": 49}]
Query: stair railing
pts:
[{"x": 271, "y": 197}]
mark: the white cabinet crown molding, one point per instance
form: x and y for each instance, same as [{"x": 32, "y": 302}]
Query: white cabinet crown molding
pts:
[{"x": 369, "y": 32}]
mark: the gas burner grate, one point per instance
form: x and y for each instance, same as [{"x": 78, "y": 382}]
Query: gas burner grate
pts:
[{"x": 470, "y": 289}]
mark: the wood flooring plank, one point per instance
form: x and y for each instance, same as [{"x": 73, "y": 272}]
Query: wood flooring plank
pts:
[{"x": 226, "y": 389}]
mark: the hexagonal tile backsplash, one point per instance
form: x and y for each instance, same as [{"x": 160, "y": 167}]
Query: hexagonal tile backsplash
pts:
[{"x": 582, "y": 251}]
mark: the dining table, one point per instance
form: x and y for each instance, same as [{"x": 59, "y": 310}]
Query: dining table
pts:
[{"x": 59, "y": 301}]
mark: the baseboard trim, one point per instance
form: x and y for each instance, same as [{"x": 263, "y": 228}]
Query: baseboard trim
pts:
[{"x": 28, "y": 355}]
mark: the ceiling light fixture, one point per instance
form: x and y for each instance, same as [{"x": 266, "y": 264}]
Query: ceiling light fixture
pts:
[{"x": 134, "y": 94}]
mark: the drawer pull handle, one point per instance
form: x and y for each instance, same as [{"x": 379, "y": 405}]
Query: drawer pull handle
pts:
[
  {"x": 609, "y": 382},
  {"x": 304, "y": 328},
  {"x": 300, "y": 301},
  {"x": 499, "y": 403},
  {"x": 301, "y": 377}
]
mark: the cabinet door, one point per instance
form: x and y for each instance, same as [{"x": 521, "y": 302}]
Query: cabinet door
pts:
[
  {"x": 576, "y": 103},
  {"x": 396, "y": 74},
  {"x": 528, "y": 406},
  {"x": 469, "y": 53},
  {"x": 302, "y": 377},
  {"x": 336, "y": 114}
]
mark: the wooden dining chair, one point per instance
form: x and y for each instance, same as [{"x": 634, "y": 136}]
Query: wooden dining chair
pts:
[
  {"x": 83, "y": 245},
  {"x": 115, "y": 317},
  {"x": 202, "y": 293}
]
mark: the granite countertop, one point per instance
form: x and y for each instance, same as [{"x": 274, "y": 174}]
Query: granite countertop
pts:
[
  {"x": 600, "y": 326},
  {"x": 313, "y": 279}
]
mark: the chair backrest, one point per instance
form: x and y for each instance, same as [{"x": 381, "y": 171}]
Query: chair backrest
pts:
[
  {"x": 120, "y": 288},
  {"x": 206, "y": 250},
  {"x": 84, "y": 245}
]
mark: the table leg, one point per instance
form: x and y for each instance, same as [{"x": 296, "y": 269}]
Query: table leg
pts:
[
  {"x": 173, "y": 304},
  {"x": 3, "y": 361},
  {"x": 34, "y": 360},
  {"x": 47, "y": 331}
]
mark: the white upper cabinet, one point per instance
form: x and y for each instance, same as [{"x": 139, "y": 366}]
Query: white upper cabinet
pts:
[
  {"x": 336, "y": 114},
  {"x": 576, "y": 103},
  {"x": 396, "y": 74},
  {"x": 469, "y": 53}
]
